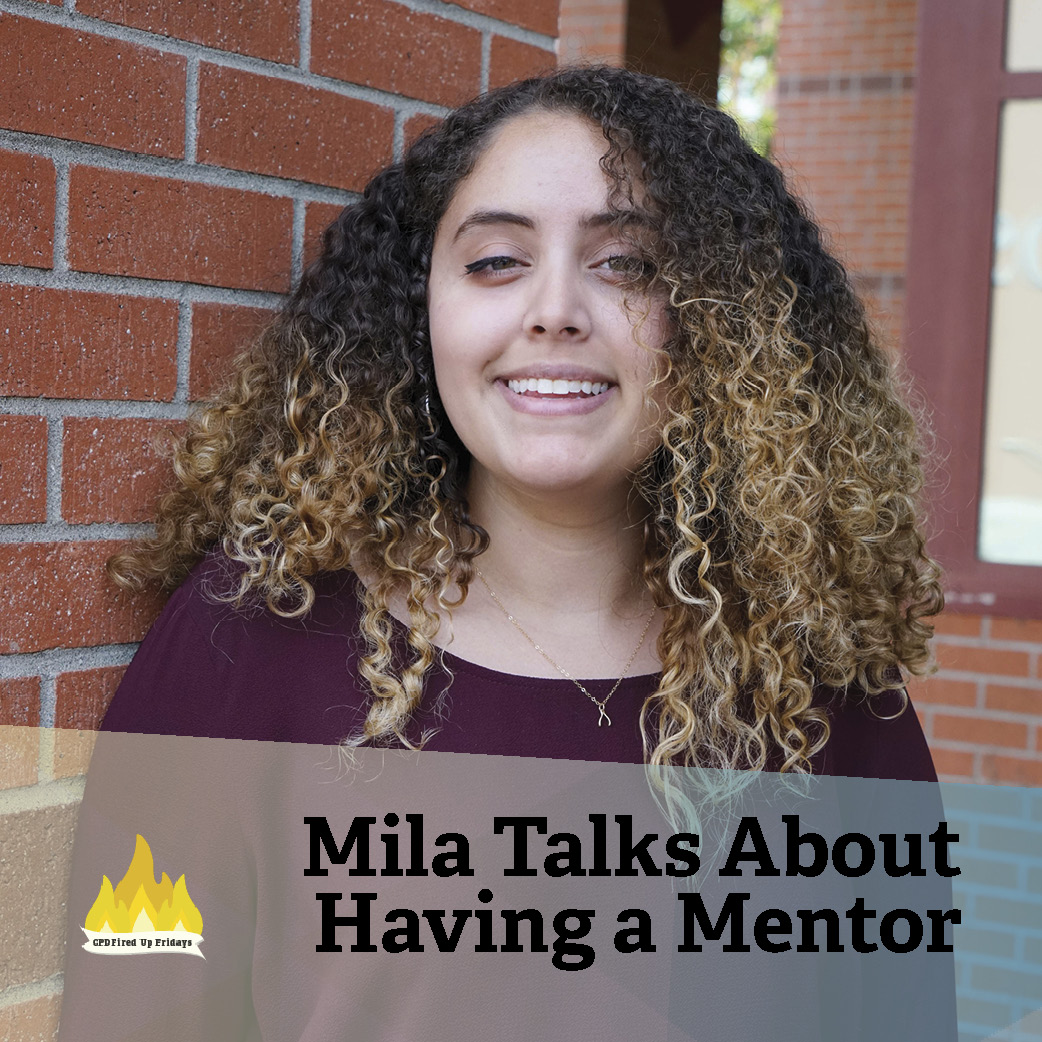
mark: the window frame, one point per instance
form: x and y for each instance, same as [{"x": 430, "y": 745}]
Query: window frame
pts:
[{"x": 961, "y": 84}]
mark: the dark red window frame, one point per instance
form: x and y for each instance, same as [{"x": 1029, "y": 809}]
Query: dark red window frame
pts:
[{"x": 961, "y": 83}]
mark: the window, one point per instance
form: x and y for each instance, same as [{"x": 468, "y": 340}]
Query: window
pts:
[{"x": 974, "y": 310}]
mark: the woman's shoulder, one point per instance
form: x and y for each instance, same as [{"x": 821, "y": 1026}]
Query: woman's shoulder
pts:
[
  {"x": 873, "y": 736},
  {"x": 210, "y": 668}
]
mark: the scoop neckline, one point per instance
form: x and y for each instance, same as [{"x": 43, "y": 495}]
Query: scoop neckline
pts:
[
  {"x": 463, "y": 665},
  {"x": 455, "y": 664}
]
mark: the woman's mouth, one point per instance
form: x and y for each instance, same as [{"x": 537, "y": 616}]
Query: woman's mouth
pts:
[{"x": 534, "y": 387}]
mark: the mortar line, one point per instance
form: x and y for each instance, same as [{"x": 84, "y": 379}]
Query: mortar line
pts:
[
  {"x": 183, "y": 350},
  {"x": 60, "y": 262},
  {"x": 304, "y": 35},
  {"x": 297, "y": 248},
  {"x": 191, "y": 109},
  {"x": 486, "y": 59},
  {"x": 102, "y": 157},
  {"x": 55, "y": 449},
  {"x": 47, "y": 988}
]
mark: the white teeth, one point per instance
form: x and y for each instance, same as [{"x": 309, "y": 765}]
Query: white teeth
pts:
[{"x": 556, "y": 387}]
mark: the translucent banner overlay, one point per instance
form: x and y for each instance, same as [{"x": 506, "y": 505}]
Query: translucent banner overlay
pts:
[{"x": 444, "y": 896}]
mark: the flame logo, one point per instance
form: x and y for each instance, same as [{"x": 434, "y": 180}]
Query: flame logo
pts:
[{"x": 153, "y": 912}]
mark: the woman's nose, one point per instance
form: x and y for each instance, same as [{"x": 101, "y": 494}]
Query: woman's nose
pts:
[{"x": 557, "y": 307}]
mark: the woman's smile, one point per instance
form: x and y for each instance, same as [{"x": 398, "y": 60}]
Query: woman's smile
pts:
[
  {"x": 556, "y": 390},
  {"x": 555, "y": 397}
]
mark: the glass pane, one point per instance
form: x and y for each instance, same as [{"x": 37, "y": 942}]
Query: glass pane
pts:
[
  {"x": 1024, "y": 36},
  {"x": 1011, "y": 498}
]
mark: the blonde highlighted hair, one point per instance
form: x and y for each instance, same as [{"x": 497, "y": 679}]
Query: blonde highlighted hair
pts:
[{"x": 784, "y": 542}]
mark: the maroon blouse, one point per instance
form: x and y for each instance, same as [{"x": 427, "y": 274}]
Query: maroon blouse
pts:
[{"x": 209, "y": 670}]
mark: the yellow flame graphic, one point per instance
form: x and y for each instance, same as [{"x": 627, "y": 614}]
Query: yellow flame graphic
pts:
[{"x": 140, "y": 904}]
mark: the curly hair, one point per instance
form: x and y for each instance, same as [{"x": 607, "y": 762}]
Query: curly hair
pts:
[{"x": 782, "y": 537}]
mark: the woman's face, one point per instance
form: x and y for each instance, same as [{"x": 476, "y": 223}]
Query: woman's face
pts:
[{"x": 536, "y": 356}]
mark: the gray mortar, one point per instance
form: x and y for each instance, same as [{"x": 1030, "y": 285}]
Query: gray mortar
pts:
[{"x": 191, "y": 109}]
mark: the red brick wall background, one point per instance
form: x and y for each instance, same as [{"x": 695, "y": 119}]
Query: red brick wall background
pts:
[
  {"x": 166, "y": 167},
  {"x": 593, "y": 30},
  {"x": 846, "y": 92}
]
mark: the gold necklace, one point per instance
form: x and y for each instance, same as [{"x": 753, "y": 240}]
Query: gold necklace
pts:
[{"x": 600, "y": 703}]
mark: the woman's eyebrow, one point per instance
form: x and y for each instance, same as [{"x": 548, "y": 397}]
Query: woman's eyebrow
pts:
[
  {"x": 618, "y": 217},
  {"x": 481, "y": 217},
  {"x": 596, "y": 220}
]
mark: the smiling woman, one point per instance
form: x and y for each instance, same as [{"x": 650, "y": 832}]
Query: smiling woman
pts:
[
  {"x": 572, "y": 444},
  {"x": 574, "y": 391}
]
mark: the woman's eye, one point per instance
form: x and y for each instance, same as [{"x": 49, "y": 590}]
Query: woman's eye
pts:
[
  {"x": 628, "y": 264},
  {"x": 490, "y": 264}
]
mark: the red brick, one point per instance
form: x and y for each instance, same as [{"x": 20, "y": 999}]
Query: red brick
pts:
[
  {"x": 1011, "y": 770},
  {"x": 72, "y": 751},
  {"x": 953, "y": 625},
  {"x": 26, "y": 210},
  {"x": 58, "y": 343},
  {"x": 539, "y": 15},
  {"x": 856, "y": 176},
  {"x": 982, "y": 660},
  {"x": 19, "y": 765},
  {"x": 35, "y": 1020},
  {"x": 112, "y": 469},
  {"x": 81, "y": 698},
  {"x": 20, "y": 701},
  {"x": 80, "y": 704},
  {"x": 979, "y": 730},
  {"x": 263, "y": 28},
  {"x": 56, "y": 595},
  {"x": 70, "y": 84},
  {"x": 593, "y": 31},
  {"x": 162, "y": 228},
  {"x": 34, "y": 886},
  {"x": 273, "y": 126},
  {"x": 416, "y": 125},
  {"x": 1023, "y": 630},
  {"x": 317, "y": 218},
  {"x": 385, "y": 45},
  {"x": 952, "y": 762},
  {"x": 1014, "y": 699},
  {"x": 841, "y": 37},
  {"x": 941, "y": 691},
  {"x": 23, "y": 469},
  {"x": 512, "y": 60},
  {"x": 219, "y": 332}
]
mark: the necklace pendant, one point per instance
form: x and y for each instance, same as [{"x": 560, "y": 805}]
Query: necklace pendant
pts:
[{"x": 568, "y": 676}]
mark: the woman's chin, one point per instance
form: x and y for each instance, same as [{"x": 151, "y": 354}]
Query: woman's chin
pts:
[{"x": 555, "y": 479}]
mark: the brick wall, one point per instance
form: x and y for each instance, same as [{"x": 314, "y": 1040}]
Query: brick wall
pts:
[
  {"x": 165, "y": 170},
  {"x": 846, "y": 87},
  {"x": 593, "y": 30}
]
